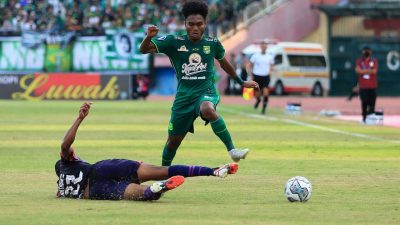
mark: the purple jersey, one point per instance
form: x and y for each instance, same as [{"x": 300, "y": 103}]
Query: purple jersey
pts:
[
  {"x": 107, "y": 179},
  {"x": 72, "y": 177}
]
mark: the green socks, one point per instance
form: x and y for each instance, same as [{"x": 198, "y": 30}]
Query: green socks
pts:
[
  {"x": 167, "y": 156},
  {"x": 219, "y": 128}
]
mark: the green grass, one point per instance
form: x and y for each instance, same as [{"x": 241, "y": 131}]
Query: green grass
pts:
[{"x": 355, "y": 180}]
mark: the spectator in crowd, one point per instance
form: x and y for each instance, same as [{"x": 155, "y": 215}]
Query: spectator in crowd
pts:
[
  {"x": 241, "y": 64},
  {"x": 93, "y": 17},
  {"x": 142, "y": 86}
]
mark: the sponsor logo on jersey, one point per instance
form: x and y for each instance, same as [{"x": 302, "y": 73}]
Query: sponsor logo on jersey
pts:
[
  {"x": 162, "y": 38},
  {"x": 195, "y": 65},
  {"x": 206, "y": 49},
  {"x": 183, "y": 49},
  {"x": 211, "y": 39},
  {"x": 180, "y": 38}
]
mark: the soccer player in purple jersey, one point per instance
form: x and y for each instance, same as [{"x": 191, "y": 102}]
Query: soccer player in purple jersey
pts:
[{"x": 116, "y": 179}]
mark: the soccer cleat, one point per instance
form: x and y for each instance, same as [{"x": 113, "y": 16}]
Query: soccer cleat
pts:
[
  {"x": 224, "y": 170},
  {"x": 238, "y": 154},
  {"x": 166, "y": 185}
]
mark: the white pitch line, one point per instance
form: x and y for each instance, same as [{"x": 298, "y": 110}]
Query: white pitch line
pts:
[{"x": 318, "y": 127}]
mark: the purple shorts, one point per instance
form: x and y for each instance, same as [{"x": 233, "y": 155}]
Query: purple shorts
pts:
[{"x": 109, "y": 178}]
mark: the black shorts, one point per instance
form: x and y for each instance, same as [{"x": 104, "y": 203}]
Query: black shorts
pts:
[
  {"x": 109, "y": 178},
  {"x": 263, "y": 81}
]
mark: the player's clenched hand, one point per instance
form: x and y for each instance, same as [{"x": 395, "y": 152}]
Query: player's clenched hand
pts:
[
  {"x": 152, "y": 31},
  {"x": 84, "y": 110},
  {"x": 251, "y": 84}
]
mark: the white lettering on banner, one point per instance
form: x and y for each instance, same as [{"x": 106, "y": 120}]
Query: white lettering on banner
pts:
[
  {"x": 393, "y": 60},
  {"x": 91, "y": 55},
  {"x": 120, "y": 64},
  {"x": 4, "y": 79},
  {"x": 14, "y": 56}
]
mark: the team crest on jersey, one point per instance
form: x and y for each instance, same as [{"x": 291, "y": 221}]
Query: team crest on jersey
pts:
[
  {"x": 195, "y": 65},
  {"x": 183, "y": 49},
  {"x": 206, "y": 49}
]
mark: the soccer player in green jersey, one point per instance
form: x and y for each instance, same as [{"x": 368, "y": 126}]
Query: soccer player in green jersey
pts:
[{"x": 192, "y": 56}]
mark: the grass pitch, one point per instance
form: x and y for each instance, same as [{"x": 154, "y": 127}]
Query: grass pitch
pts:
[{"x": 355, "y": 179}]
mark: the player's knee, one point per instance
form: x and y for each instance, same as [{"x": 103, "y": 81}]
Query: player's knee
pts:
[
  {"x": 209, "y": 114},
  {"x": 173, "y": 144}
]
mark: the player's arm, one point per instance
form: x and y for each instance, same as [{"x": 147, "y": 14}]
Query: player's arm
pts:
[
  {"x": 147, "y": 46},
  {"x": 69, "y": 137},
  {"x": 372, "y": 70},
  {"x": 228, "y": 68}
]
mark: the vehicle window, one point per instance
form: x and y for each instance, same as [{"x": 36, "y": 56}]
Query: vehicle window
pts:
[
  {"x": 278, "y": 59},
  {"x": 307, "y": 60}
]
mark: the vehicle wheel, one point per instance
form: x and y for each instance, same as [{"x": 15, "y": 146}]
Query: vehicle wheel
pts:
[
  {"x": 317, "y": 90},
  {"x": 279, "y": 89}
]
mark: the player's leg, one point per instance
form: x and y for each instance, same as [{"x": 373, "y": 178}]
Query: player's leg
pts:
[
  {"x": 364, "y": 104},
  {"x": 257, "y": 93},
  {"x": 265, "y": 91},
  {"x": 153, "y": 192},
  {"x": 209, "y": 113},
  {"x": 170, "y": 148},
  {"x": 179, "y": 124},
  {"x": 372, "y": 101},
  {"x": 147, "y": 172}
]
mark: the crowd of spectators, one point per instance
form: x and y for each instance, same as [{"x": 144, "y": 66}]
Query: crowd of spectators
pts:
[{"x": 93, "y": 17}]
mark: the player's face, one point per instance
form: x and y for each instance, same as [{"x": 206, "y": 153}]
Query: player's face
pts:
[
  {"x": 264, "y": 47},
  {"x": 195, "y": 26}
]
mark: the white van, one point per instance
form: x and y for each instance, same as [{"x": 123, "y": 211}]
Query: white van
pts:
[{"x": 299, "y": 67}]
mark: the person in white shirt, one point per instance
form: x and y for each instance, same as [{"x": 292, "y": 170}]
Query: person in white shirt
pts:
[{"x": 261, "y": 64}]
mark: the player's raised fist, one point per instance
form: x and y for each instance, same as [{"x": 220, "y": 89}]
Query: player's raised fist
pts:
[
  {"x": 84, "y": 110},
  {"x": 152, "y": 31}
]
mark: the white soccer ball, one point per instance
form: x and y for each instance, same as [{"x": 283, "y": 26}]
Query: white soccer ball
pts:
[{"x": 298, "y": 189}]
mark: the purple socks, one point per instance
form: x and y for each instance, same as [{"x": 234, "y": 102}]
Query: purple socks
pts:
[{"x": 189, "y": 171}]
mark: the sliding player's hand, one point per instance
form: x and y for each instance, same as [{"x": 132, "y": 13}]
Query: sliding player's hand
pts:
[
  {"x": 251, "y": 84},
  {"x": 152, "y": 31},
  {"x": 84, "y": 110}
]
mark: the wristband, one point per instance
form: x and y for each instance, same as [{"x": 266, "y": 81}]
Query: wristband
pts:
[{"x": 239, "y": 80}]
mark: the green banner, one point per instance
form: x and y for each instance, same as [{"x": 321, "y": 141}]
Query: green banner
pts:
[
  {"x": 14, "y": 57},
  {"x": 116, "y": 53},
  {"x": 103, "y": 54},
  {"x": 58, "y": 59}
]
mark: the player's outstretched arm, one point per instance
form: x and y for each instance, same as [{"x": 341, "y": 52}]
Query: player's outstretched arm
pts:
[
  {"x": 147, "y": 46},
  {"x": 228, "y": 68},
  {"x": 69, "y": 137}
]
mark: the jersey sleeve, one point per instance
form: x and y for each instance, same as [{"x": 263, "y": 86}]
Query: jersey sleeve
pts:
[
  {"x": 271, "y": 59},
  {"x": 164, "y": 44},
  {"x": 253, "y": 58},
  {"x": 219, "y": 50}
]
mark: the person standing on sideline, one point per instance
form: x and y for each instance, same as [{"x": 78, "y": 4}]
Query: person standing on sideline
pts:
[
  {"x": 261, "y": 65},
  {"x": 366, "y": 69}
]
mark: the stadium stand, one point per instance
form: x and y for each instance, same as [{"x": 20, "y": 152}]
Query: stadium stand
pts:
[{"x": 92, "y": 17}]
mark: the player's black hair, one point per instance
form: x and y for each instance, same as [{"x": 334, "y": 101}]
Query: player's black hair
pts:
[{"x": 195, "y": 7}]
